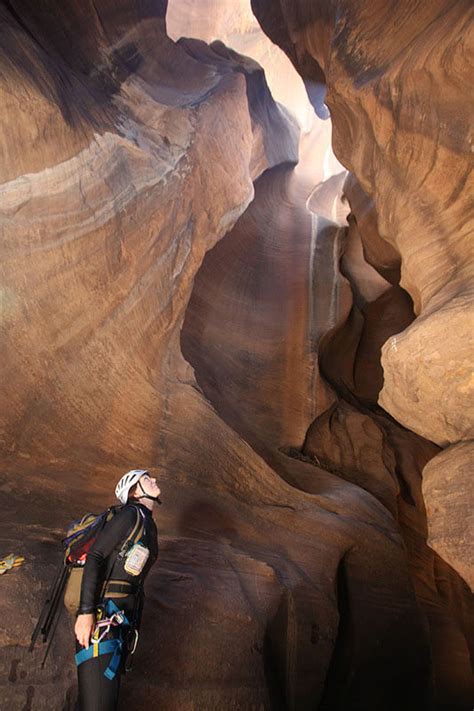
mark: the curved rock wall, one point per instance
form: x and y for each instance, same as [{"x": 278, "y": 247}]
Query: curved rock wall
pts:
[
  {"x": 86, "y": 287},
  {"x": 232, "y": 22},
  {"x": 125, "y": 161},
  {"x": 257, "y": 318},
  {"x": 397, "y": 79},
  {"x": 260, "y": 303},
  {"x": 128, "y": 157}
]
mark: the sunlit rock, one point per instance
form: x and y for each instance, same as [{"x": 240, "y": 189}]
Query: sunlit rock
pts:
[
  {"x": 262, "y": 300},
  {"x": 128, "y": 162},
  {"x": 398, "y": 88},
  {"x": 398, "y": 91},
  {"x": 449, "y": 496}
]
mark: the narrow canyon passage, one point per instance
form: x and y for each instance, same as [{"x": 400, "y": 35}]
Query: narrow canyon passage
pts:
[
  {"x": 193, "y": 282},
  {"x": 267, "y": 298}
]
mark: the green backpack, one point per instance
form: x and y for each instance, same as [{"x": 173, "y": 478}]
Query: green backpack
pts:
[{"x": 81, "y": 535}]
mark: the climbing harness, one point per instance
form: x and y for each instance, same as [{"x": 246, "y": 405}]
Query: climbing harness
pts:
[
  {"x": 114, "y": 617},
  {"x": 117, "y": 618},
  {"x": 9, "y": 562},
  {"x": 81, "y": 535}
]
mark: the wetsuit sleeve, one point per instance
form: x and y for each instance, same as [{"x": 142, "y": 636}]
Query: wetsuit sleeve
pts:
[{"x": 112, "y": 536}]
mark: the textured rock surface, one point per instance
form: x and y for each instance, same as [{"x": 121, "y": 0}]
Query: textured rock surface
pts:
[
  {"x": 351, "y": 444},
  {"x": 428, "y": 368},
  {"x": 84, "y": 282},
  {"x": 233, "y": 22},
  {"x": 398, "y": 93},
  {"x": 252, "y": 331},
  {"x": 105, "y": 219},
  {"x": 128, "y": 158},
  {"x": 261, "y": 301},
  {"x": 397, "y": 79},
  {"x": 449, "y": 495}
]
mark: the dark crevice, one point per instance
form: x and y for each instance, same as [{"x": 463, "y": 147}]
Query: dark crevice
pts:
[{"x": 336, "y": 694}]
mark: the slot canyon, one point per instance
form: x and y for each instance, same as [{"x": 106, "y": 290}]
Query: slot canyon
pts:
[{"x": 237, "y": 250}]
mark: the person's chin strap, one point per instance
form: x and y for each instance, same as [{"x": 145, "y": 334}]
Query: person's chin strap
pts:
[{"x": 147, "y": 496}]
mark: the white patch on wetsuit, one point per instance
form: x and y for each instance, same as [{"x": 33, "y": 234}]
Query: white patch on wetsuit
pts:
[{"x": 136, "y": 559}]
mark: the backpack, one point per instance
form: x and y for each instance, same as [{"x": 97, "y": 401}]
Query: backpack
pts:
[{"x": 79, "y": 539}]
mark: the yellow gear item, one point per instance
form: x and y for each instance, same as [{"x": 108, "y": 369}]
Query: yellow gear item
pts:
[
  {"x": 96, "y": 632},
  {"x": 10, "y": 561}
]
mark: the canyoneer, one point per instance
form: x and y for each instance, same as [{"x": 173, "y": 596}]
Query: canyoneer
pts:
[{"x": 111, "y": 592}]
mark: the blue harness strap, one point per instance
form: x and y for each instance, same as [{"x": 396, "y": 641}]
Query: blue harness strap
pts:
[{"x": 109, "y": 646}]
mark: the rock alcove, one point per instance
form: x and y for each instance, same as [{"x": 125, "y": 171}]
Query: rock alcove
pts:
[{"x": 181, "y": 290}]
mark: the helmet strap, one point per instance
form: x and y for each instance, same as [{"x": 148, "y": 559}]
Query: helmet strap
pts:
[{"x": 147, "y": 496}]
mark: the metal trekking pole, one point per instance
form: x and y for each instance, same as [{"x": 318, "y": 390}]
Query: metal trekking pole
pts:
[
  {"x": 51, "y": 637},
  {"x": 54, "y": 604},
  {"x": 45, "y": 610}
]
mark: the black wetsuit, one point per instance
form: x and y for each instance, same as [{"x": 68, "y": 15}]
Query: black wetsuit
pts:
[{"x": 105, "y": 578}]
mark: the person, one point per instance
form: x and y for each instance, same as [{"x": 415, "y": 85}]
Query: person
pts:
[{"x": 111, "y": 599}]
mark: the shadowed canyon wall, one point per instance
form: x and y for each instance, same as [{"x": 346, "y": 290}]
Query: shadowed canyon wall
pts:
[
  {"x": 268, "y": 297},
  {"x": 169, "y": 301},
  {"x": 397, "y": 79}
]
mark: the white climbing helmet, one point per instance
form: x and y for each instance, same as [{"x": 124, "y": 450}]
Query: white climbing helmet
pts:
[{"x": 126, "y": 483}]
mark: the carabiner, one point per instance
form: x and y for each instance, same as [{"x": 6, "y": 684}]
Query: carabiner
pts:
[{"x": 132, "y": 650}]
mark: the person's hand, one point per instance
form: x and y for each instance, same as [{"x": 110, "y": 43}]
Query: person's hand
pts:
[{"x": 83, "y": 629}]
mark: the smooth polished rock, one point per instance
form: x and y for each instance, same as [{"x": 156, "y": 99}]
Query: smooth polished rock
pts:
[
  {"x": 398, "y": 83},
  {"x": 398, "y": 88},
  {"x": 127, "y": 157},
  {"x": 449, "y": 495}
]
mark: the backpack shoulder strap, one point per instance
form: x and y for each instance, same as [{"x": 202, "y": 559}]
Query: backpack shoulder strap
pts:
[
  {"x": 133, "y": 537},
  {"x": 137, "y": 531}
]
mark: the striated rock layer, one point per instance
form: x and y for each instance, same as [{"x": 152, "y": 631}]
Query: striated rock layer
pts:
[
  {"x": 398, "y": 89},
  {"x": 268, "y": 297},
  {"x": 97, "y": 247},
  {"x": 233, "y": 22},
  {"x": 127, "y": 158}
]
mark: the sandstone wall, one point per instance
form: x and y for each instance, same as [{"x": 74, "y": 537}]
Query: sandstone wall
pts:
[
  {"x": 127, "y": 158},
  {"x": 397, "y": 81}
]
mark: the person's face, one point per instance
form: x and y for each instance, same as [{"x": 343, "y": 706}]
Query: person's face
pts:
[{"x": 149, "y": 486}]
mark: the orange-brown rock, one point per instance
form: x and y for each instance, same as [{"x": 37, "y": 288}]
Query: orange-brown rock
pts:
[
  {"x": 379, "y": 253},
  {"x": 233, "y": 22},
  {"x": 408, "y": 145},
  {"x": 351, "y": 444},
  {"x": 398, "y": 89},
  {"x": 249, "y": 332},
  {"x": 85, "y": 283},
  {"x": 279, "y": 584},
  {"x": 140, "y": 156},
  {"x": 242, "y": 337},
  {"x": 449, "y": 496}
]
